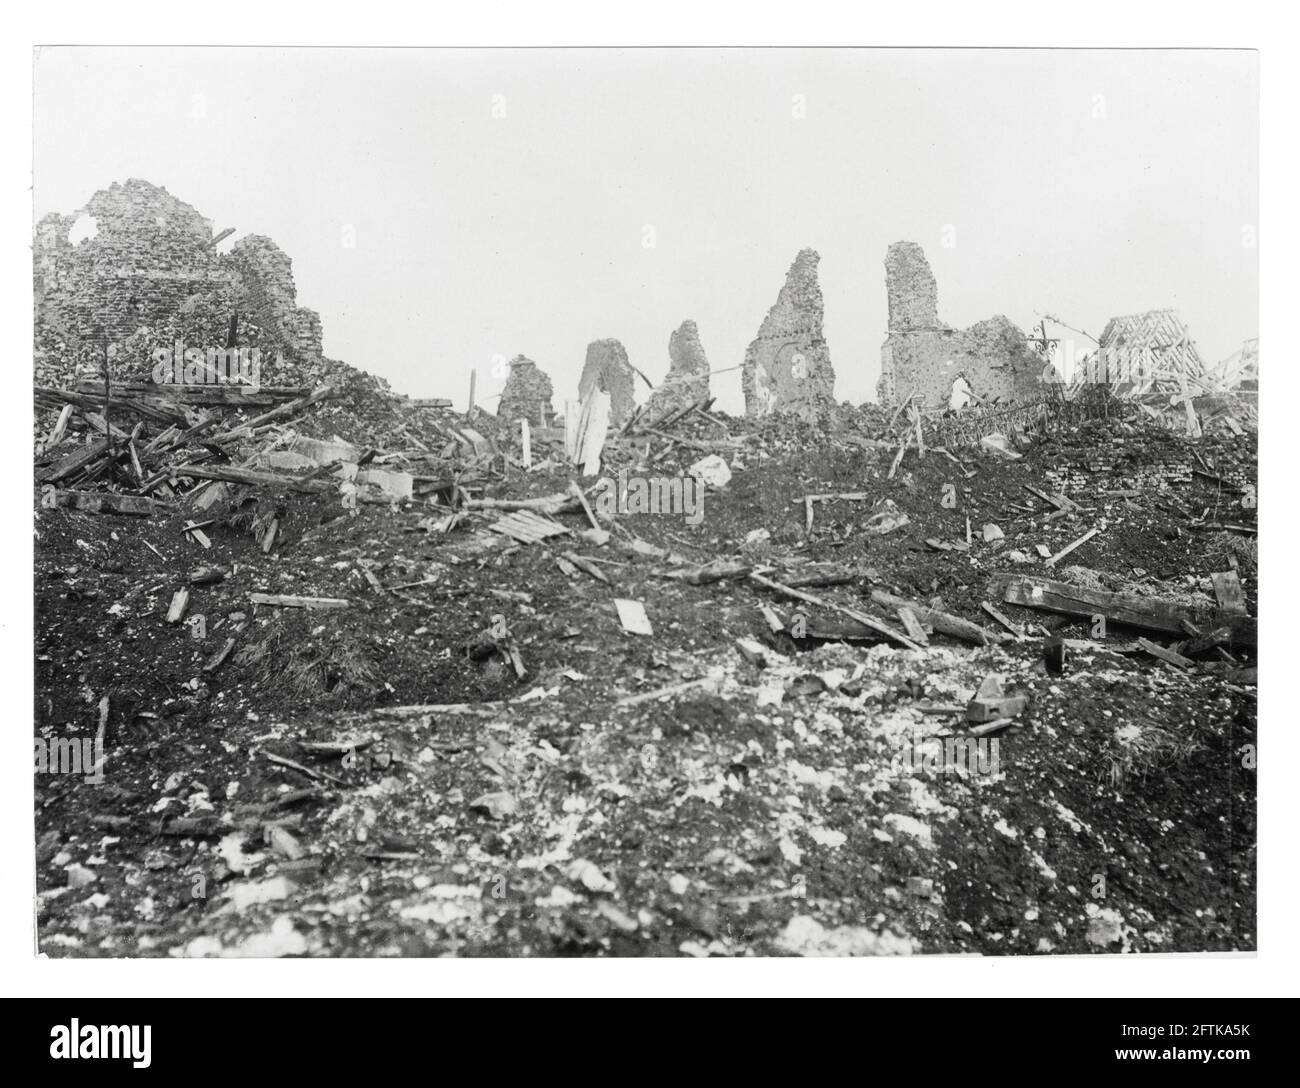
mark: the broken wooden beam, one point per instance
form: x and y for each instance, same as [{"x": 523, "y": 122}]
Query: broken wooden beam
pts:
[
  {"x": 320, "y": 393},
  {"x": 1018, "y": 632},
  {"x": 864, "y": 618},
  {"x": 943, "y": 622},
  {"x": 586, "y": 566},
  {"x": 253, "y": 477},
  {"x": 218, "y": 659},
  {"x": 73, "y": 462},
  {"x": 1059, "y": 501},
  {"x": 912, "y": 625},
  {"x": 1053, "y": 560},
  {"x": 1168, "y": 656},
  {"x": 1208, "y": 640},
  {"x": 1149, "y": 613},
  {"x": 287, "y": 600},
  {"x": 554, "y": 504},
  {"x": 672, "y": 689},
  {"x": 105, "y": 502}
]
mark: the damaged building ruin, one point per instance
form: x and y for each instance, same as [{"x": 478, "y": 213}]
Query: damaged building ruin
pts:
[
  {"x": 688, "y": 373},
  {"x": 1143, "y": 353},
  {"x": 144, "y": 273},
  {"x": 527, "y": 394},
  {"x": 990, "y": 362},
  {"x": 787, "y": 367},
  {"x": 607, "y": 369}
]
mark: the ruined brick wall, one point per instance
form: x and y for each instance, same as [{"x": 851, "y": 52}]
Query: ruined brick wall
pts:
[
  {"x": 266, "y": 275},
  {"x": 527, "y": 394},
  {"x": 607, "y": 369},
  {"x": 788, "y": 367},
  {"x": 688, "y": 373},
  {"x": 150, "y": 277},
  {"x": 1152, "y": 459},
  {"x": 149, "y": 255},
  {"x": 922, "y": 355}
]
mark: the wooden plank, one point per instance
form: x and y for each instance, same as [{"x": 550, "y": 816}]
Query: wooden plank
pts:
[
  {"x": 526, "y": 527},
  {"x": 73, "y": 462},
  {"x": 553, "y": 504},
  {"x": 1015, "y": 630},
  {"x": 253, "y": 477},
  {"x": 275, "y": 413},
  {"x": 576, "y": 492},
  {"x": 180, "y": 602},
  {"x": 586, "y": 566},
  {"x": 198, "y": 535},
  {"x": 1058, "y": 500},
  {"x": 218, "y": 659},
  {"x": 594, "y": 426},
  {"x": 1149, "y": 613},
  {"x": 60, "y": 427},
  {"x": 663, "y": 693},
  {"x": 1052, "y": 561},
  {"x": 1227, "y": 591},
  {"x": 913, "y": 626},
  {"x": 1177, "y": 660},
  {"x": 286, "y": 600}
]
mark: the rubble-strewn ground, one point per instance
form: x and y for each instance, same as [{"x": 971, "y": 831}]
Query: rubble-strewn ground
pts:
[{"x": 464, "y": 810}]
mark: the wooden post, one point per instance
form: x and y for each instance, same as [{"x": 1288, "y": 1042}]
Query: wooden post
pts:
[
  {"x": 525, "y": 440},
  {"x": 108, "y": 425},
  {"x": 473, "y": 379}
]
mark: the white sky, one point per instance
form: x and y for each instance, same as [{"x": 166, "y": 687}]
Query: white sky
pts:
[{"x": 1080, "y": 183}]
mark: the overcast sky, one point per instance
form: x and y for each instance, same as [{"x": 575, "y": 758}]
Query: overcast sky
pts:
[{"x": 530, "y": 201}]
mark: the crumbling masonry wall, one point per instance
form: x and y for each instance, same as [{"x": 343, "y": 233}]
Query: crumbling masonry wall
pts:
[
  {"x": 150, "y": 276},
  {"x": 527, "y": 394},
  {"x": 607, "y": 369},
  {"x": 688, "y": 373},
  {"x": 922, "y": 356},
  {"x": 787, "y": 367}
]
